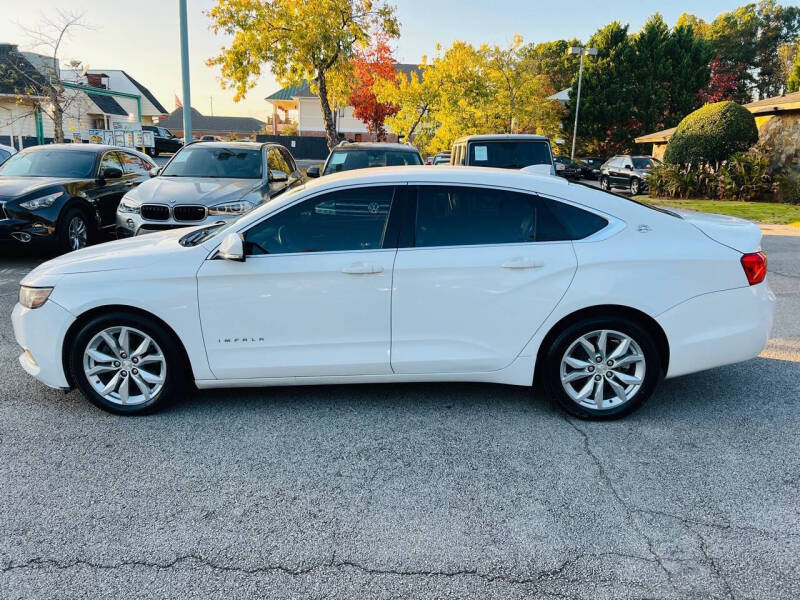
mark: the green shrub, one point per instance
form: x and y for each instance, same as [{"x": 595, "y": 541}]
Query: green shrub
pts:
[
  {"x": 680, "y": 181},
  {"x": 788, "y": 188},
  {"x": 711, "y": 134},
  {"x": 744, "y": 176}
]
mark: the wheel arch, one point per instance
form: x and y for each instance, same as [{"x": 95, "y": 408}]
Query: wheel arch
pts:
[
  {"x": 606, "y": 310},
  {"x": 86, "y": 207},
  {"x": 90, "y": 314}
]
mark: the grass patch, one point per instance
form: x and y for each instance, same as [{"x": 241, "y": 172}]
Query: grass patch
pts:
[{"x": 763, "y": 212}]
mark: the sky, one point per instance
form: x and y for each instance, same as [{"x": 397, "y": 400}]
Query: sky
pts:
[{"x": 142, "y": 36}]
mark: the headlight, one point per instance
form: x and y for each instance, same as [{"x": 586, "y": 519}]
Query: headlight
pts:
[
  {"x": 43, "y": 202},
  {"x": 129, "y": 206},
  {"x": 33, "y": 297},
  {"x": 230, "y": 208}
]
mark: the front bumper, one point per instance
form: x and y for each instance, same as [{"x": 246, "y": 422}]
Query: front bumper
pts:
[
  {"x": 21, "y": 231},
  {"x": 131, "y": 224},
  {"x": 718, "y": 329},
  {"x": 41, "y": 332}
]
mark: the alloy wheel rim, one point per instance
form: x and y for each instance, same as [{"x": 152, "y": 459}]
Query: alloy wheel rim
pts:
[
  {"x": 124, "y": 366},
  {"x": 603, "y": 369},
  {"x": 77, "y": 233}
]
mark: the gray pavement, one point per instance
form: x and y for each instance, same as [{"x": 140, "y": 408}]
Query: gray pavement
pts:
[{"x": 408, "y": 491}]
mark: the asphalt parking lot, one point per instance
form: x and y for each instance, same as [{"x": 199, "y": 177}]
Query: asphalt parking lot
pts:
[{"x": 408, "y": 491}]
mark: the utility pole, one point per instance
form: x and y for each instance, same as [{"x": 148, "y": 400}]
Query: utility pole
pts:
[
  {"x": 582, "y": 50},
  {"x": 187, "y": 97}
]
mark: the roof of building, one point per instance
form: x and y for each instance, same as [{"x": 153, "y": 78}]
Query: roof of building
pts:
[
  {"x": 107, "y": 104},
  {"x": 303, "y": 90},
  {"x": 17, "y": 75},
  {"x": 142, "y": 89},
  {"x": 562, "y": 96},
  {"x": 201, "y": 122},
  {"x": 775, "y": 104},
  {"x": 656, "y": 137}
]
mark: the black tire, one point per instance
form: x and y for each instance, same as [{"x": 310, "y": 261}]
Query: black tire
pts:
[
  {"x": 154, "y": 152},
  {"x": 551, "y": 368},
  {"x": 604, "y": 185},
  {"x": 68, "y": 219},
  {"x": 176, "y": 365},
  {"x": 636, "y": 186}
]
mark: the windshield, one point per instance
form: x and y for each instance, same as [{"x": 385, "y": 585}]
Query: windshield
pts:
[
  {"x": 643, "y": 162},
  {"x": 509, "y": 154},
  {"x": 221, "y": 228},
  {"x": 205, "y": 161},
  {"x": 50, "y": 163},
  {"x": 347, "y": 160}
]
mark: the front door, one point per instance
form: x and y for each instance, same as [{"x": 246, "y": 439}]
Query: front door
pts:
[
  {"x": 312, "y": 298},
  {"x": 486, "y": 269},
  {"x": 108, "y": 195}
]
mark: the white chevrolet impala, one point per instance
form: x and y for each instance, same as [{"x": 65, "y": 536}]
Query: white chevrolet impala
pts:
[{"x": 406, "y": 274}]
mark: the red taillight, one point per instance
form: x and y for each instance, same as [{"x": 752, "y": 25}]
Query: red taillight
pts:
[{"x": 755, "y": 266}]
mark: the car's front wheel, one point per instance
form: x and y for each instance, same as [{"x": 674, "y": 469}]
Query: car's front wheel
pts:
[
  {"x": 604, "y": 184},
  {"x": 636, "y": 187},
  {"x": 602, "y": 368},
  {"x": 125, "y": 364},
  {"x": 73, "y": 230}
]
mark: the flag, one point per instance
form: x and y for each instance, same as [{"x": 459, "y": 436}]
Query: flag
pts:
[{"x": 178, "y": 103}]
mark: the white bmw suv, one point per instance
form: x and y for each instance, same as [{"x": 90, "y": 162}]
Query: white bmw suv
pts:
[{"x": 406, "y": 274}]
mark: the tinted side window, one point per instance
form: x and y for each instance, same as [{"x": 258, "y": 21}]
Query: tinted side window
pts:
[
  {"x": 464, "y": 216},
  {"x": 579, "y": 223},
  {"x": 4, "y": 155},
  {"x": 277, "y": 162},
  {"x": 353, "y": 219},
  {"x": 134, "y": 164},
  {"x": 110, "y": 161},
  {"x": 287, "y": 156}
]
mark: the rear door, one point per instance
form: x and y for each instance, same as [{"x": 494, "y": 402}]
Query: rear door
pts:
[{"x": 484, "y": 269}]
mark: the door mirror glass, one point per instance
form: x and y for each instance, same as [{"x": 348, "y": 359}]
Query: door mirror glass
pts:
[
  {"x": 232, "y": 248},
  {"x": 313, "y": 171},
  {"x": 278, "y": 176},
  {"x": 154, "y": 172}
]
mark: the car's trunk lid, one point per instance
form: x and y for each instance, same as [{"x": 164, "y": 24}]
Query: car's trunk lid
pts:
[{"x": 733, "y": 232}]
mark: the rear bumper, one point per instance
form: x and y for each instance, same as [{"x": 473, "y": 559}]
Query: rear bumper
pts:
[
  {"x": 718, "y": 329},
  {"x": 41, "y": 333}
]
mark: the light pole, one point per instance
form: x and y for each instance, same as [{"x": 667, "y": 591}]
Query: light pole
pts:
[
  {"x": 582, "y": 50},
  {"x": 187, "y": 97}
]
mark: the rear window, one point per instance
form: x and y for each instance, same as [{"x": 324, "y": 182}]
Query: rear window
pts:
[
  {"x": 509, "y": 154},
  {"x": 348, "y": 160}
]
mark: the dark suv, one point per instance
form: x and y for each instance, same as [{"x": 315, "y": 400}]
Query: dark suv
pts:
[
  {"x": 626, "y": 171},
  {"x": 504, "y": 151},
  {"x": 348, "y": 156},
  {"x": 165, "y": 141}
]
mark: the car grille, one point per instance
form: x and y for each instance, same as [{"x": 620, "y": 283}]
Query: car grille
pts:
[
  {"x": 155, "y": 212},
  {"x": 189, "y": 213}
]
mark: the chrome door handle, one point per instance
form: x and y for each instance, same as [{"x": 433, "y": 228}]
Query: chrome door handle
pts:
[
  {"x": 522, "y": 262},
  {"x": 362, "y": 268}
]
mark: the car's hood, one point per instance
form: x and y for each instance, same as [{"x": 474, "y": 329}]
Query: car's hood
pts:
[
  {"x": 733, "y": 232},
  {"x": 13, "y": 187},
  {"x": 192, "y": 190},
  {"x": 130, "y": 253}
]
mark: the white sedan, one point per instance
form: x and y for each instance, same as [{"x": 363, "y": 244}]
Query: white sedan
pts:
[{"x": 406, "y": 274}]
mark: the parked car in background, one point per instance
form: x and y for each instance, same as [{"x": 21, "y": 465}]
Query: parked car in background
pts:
[
  {"x": 348, "y": 156},
  {"x": 504, "y": 151},
  {"x": 441, "y": 158},
  {"x": 566, "y": 167},
  {"x": 5, "y": 152},
  {"x": 626, "y": 171},
  {"x": 164, "y": 140},
  {"x": 211, "y": 138},
  {"x": 497, "y": 277},
  {"x": 590, "y": 167},
  {"x": 429, "y": 160},
  {"x": 207, "y": 182},
  {"x": 64, "y": 195}
]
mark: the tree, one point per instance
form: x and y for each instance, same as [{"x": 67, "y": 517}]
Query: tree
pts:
[
  {"x": 725, "y": 83},
  {"x": 778, "y": 25},
  {"x": 370, "y": 64},
  {"x": 38, "y": 83},
  {"x": 553, "y": 60},
  {"x": 301, "y": 40},
  {"x": 416, "y": 97},
  {"x": 793, "y": 83}
]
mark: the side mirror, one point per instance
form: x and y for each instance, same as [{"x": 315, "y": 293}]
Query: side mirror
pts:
[
  {"x": 629, "y": 167},
  {"x": 110, "y": 173},
  {"x": 155, "y": 171},
  {"x": 232, "y": 248},
  {"x": 313, "y": 171},
  {"x": 278, "y": 176}
]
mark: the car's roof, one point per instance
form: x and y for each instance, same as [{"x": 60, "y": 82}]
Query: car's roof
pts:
[
  {"x": 75, "y": 147},
  {"x": 249, "y": 145},
  {"x": 488, "y": 137},
  {"x": 376, "y": 146}
]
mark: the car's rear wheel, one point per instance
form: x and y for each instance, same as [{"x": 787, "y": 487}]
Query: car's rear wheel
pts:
[
  {"x": 636, "y": 186},
  {"x": 602, "y": 368},
  {"x": 604, "y": 185},
  {"x": 73, "y": 230},
  {"x": 125, "y": 364}
]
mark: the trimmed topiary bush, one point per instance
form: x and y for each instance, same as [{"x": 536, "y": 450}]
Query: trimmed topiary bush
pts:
[{"x": 711, "y": 134}]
